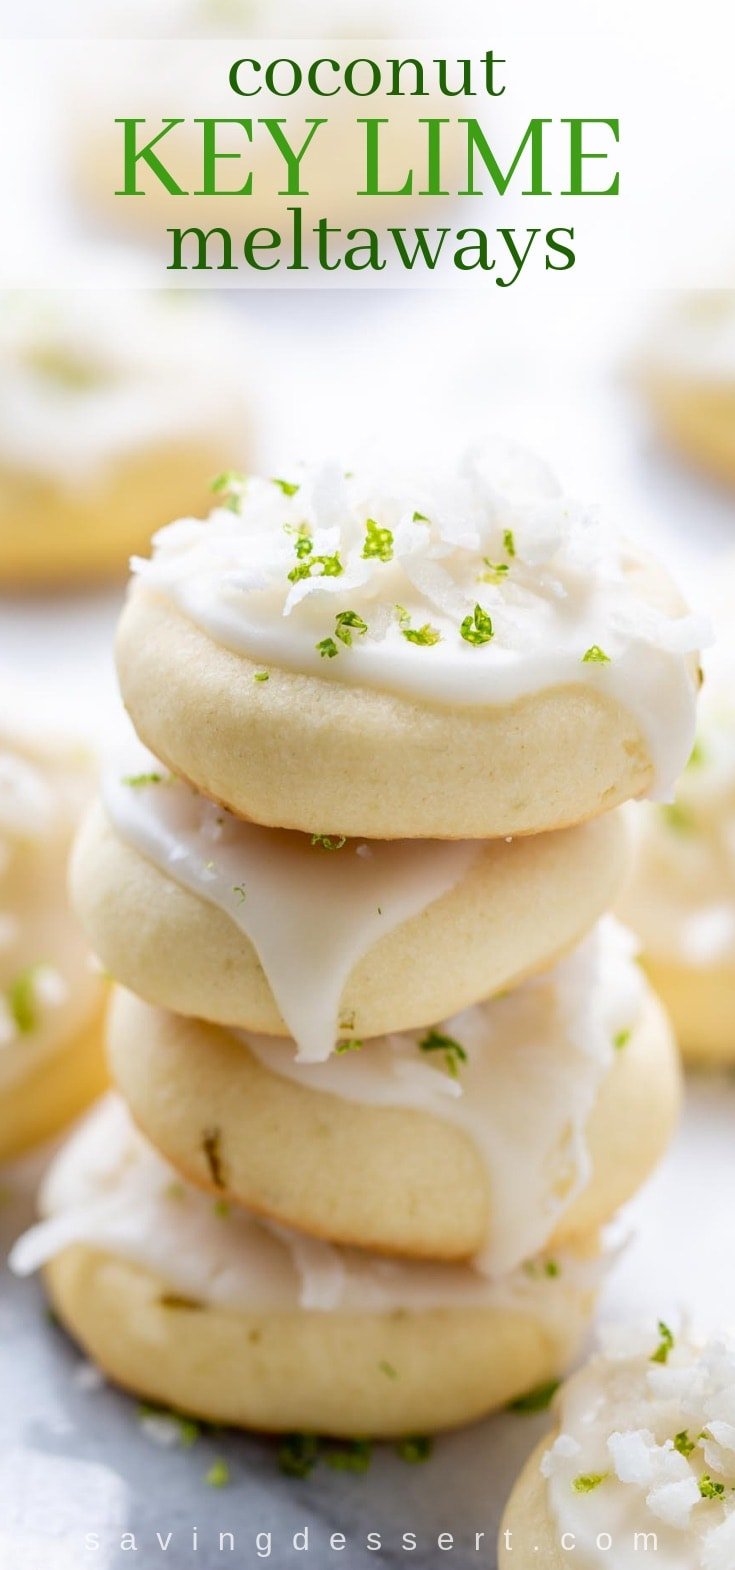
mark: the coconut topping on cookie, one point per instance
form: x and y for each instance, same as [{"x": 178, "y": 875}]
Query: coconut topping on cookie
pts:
[
  {"x": 476, "y": 586},
  {"x": 647, "y": 1444}
]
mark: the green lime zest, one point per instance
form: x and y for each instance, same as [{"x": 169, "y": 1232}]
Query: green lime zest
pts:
[
  {"x": 587, "y": 1481},
  {"x": 454, "y": 1052},
  {"x": 477, "y": 628},
  {"x": 378, "y": 542}
]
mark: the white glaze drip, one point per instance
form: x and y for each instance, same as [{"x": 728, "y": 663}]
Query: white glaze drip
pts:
[
  {"x": 535, "y": 1061},
  {"x": 619, "y": 1417},
  {"x": 559, "y": 585},
  {"x": 310, "y": 913},
  {"x": 110, "y": 1190}
]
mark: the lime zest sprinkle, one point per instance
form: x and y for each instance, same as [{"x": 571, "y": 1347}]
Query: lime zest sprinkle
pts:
[
  {"x": 327, "y": 648},
  {"x": 329, "y": 842},
  {"x": 262, "y": 676},
  {"x": 349, "y": 1045},
  {"x": 587, "y": 1481},
  {"x": 287, "y": 487},
  {"x": 594, "y": 655},
  {"x": 665, "y": 1345},
  {"x": 347, "y": 622},
  {"x": 378, "y": 542},
  {"x": 354, "y": 1456},
  {"x": 136, "y": 781},
  {"x": 240, "y": 890},
  {"x": 709, "y": 1489},
  {"x": 426, "y": 636},
  {"x": 21, "y": 1000},
  {"x": 415, "y": 1448},
  {"x": 477, "y": 628},
  {"x": 683, "y": 1443},
  {"x": 509, "y": 543},
  {"x": 621, "y": 1039},
  {"x": 298, "y": 1454},
  {"x": 218, "y": 1475},
  {"x": 307, "y": 564},
  {"x": 697, "y": 756},
  {"x": 494, "y": 572},
  {"x": 677, "y": 817},
  {"x": 454, "y": 1052}
]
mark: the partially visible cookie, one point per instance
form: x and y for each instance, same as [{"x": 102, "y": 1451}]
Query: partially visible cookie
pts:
[
  {"x": 461, "y": 655},
  {"x": 51, "y": 1060},
  {"x": 640, "y": 1460}
]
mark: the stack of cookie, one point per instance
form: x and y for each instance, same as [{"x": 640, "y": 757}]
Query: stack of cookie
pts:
[{"x": 387, "y": 1066}]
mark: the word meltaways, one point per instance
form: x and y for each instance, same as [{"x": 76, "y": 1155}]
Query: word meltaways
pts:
[{"x": 438, "y": 154}]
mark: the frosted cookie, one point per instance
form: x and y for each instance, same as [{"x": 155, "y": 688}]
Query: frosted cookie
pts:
[
  {"x": 205, "y": 1309},
  {"x": 681, "y": 898},
  {"x": 317, "y": 937},
  {"x": 463, "y": 656},
  {"x": 689, "y": 376},
  {"x": 642, "y": 1461},
  {"x": 116, "y": 408},
  {"x": 516, "y": 1126},
  {"x": 51, "y": 1061}
]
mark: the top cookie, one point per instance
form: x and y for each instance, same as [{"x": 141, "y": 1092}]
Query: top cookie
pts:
[
  {"x": 643, "y": 1460},
  {"x": 463, "y": 655}
]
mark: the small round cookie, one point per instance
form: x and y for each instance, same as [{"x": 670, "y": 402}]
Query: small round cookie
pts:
[
  {"x": 116, "y": 409},
  {"x": 681, "y": 898},
  {"x": 213, "y": 1314},
  {"x": 688, "y": 375},
  {"x": 458, "y": 655},
  {"x": 51, "y": 1059},
  {"x": 641, "y": 1459},
  {"x": 517, "y": 1126},
  {"x": 199, "y": 912}
]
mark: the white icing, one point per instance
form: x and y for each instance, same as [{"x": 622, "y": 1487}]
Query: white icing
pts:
[
  {"x": 535, "y": 1061},
  {"x": 571, "y": 585},
  {"x": 620, "y": 1417},
  {"x": 86, "y": 378},
  {"x": 110, "y": 1190},
  {"x": 310, "y": 913}
]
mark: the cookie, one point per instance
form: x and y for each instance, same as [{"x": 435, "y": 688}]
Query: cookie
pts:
[
  {"x": 117, "y": 409},
  {"x": 511, "y": 1128},
  {"x": 212, "y": 917},
  {"x": 639, "y": 1459},
  {"x": 688, "y": 376},
  {"x": 468, "y": 655},
  {"x": 213, "y": 1314},
  {"x": 51, "y": 1059}
]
